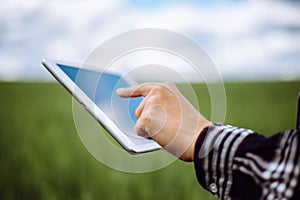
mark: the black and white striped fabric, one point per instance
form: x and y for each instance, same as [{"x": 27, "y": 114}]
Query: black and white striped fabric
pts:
[{"x": 237, "y": 163}]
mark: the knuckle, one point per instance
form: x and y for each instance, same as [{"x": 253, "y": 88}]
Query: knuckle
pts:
[
  {"x": 155, "y": 99},
  {"x": 157, "y": 89},
  {"x": 170, "y": 84},
  {"x": 161, "y": 89},
  {"x": 145, "y": 121}
]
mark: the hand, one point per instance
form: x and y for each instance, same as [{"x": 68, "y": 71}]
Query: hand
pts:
[{"x": 167, "y": 117}]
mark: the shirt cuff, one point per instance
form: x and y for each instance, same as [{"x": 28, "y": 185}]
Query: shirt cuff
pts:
[{"x": 213, "y": 158}]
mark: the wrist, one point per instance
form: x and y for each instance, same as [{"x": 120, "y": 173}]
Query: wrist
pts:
[{"x": 189, "y": 155}]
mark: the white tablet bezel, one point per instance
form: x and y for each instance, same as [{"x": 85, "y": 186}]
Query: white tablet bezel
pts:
[{"x": 93, "y": 109}]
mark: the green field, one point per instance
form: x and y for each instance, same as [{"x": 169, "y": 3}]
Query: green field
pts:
[{"x": 42, "y": 156}]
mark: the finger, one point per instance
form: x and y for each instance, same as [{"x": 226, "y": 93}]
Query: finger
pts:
[
  {"x": 142, "y": 126},
  {"x": 140, "y": 108},
  {"x": 135, "y": 91},
  {"x": 145, "y": 102},
  {"x": 141, "y": 132}
]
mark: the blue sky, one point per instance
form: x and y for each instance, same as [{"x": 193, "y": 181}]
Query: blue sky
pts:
[{"x": 247, "y": 40}]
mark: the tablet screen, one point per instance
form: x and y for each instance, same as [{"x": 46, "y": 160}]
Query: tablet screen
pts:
[{"x": 101, "y": 87}]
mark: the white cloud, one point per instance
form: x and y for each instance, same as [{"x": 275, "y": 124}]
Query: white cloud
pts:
[
  {"x": 11, "y": 67},
  {"x": 249, "y": 38}
]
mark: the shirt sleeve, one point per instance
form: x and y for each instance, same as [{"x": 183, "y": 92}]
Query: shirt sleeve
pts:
[{"x": 237, "y": 163}]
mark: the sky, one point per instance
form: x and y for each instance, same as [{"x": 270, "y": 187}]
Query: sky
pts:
[{"x": 247, "y": 40}]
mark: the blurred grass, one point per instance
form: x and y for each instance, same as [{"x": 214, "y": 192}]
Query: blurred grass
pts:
[{"x": 41, "y": 156}]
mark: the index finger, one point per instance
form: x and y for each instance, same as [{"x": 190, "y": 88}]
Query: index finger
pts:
[{"x": 135, "y": 91}]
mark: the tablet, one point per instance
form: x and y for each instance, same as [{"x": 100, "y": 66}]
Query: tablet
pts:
[{"x": 95, "y": 90}]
